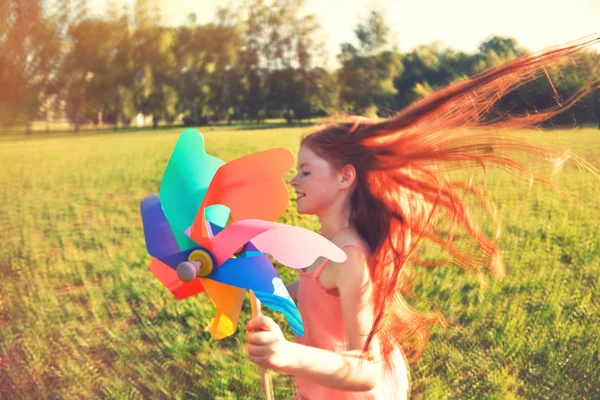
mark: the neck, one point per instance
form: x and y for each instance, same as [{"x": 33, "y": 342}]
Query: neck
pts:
[{"x": 335, "y": 218}]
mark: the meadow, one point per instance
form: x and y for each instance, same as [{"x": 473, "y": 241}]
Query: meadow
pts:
[{"x": 81, "y": 316}]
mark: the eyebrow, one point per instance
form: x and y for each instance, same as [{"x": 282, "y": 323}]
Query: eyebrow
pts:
[{"x": 301, "y": 165}]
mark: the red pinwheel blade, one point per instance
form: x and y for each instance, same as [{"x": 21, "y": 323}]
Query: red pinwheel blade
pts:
[
  {"x": 251, "y": 186},
  {"x": 169, "y": 278}
]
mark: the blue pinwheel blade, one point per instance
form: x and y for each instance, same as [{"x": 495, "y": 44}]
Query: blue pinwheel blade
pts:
[
  {"x": 258, "y": 274},
  {"x": 160, "y": 241},
  {"x": 287, "y": 307},
  {"x": 253, "y": 273},
  {"x": 251, "y": 247},
  {"x": 185, "y": 182}
]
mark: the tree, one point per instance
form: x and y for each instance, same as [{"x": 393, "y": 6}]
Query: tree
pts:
[
  {"x": 496, "y": 50},
  {"x": 564, "y": 83},
  {"x": 367, "y": 72},
  {"x": 194, "y": 66},
  {"x": 121, "y": 107},
  {"x": 553, "y": 88},
  {"x": 97, "y": 72},
  {"x": 29, "y": 56},
  {"x": 225, "y": 86},
  {"x": 430, "y": 67},
  {"x": 155, "y": 63},
  {"x": 324, "y": 91},
  {"x": 279, "y": 47}
]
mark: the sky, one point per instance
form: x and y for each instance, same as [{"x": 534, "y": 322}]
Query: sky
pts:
[{"x": 460, "y": 24}]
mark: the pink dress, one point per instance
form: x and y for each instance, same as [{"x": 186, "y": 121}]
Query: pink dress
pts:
[{"x": 324, "y": 328}]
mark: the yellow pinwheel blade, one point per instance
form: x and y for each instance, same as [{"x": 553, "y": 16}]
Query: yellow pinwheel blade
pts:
[{"x": 228, "y": 305}]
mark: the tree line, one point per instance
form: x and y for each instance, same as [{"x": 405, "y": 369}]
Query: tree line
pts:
[{"x": 266, "y": 59}]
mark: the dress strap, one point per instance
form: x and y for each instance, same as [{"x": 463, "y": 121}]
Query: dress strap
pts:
[{"x": 322, "y": 266}]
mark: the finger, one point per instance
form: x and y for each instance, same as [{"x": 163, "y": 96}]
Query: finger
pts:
[
  {"x": 261, "y": 323},
  {"x": 260, "y": 337},
  {"x": 258, "y": 360},
  {"x": 257, "y": 350},
  {"x": 258, "y": 323}
]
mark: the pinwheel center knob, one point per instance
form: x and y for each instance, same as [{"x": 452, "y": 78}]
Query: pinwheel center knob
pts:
[
  {"x": 187, "y": 271},
  {"x": 199, "y": 264},
  {"x": 203, "y": 260}
]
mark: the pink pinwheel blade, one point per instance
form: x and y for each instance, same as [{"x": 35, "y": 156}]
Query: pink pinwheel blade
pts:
[{"x": 292, "y": 246}]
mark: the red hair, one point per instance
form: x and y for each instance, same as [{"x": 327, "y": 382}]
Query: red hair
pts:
[{"x": 404, "y": 195}]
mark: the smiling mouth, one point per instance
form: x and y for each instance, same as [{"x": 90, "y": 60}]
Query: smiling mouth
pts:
[{"x": 299, "y": 196}]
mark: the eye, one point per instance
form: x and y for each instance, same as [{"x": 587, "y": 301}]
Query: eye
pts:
[{"x": 305, "y": 173}]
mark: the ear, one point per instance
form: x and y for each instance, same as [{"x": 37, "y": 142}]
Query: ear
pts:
[{"x": 346, "y": 176}]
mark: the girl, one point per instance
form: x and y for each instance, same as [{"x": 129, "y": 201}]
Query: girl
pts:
[{"x": 379, "y": 189}]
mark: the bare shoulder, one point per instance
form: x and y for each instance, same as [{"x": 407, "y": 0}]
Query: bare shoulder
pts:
[
  {"x": 354, "y": 269},
  {"x": 356, "y": 261},
  {"x": 353, "y": 237}
]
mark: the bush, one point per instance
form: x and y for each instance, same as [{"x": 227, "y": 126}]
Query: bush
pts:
[{"x": 194, "y": 121}]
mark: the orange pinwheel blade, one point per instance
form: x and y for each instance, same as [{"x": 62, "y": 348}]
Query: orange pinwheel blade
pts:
[
  {"x": 228, "y": 304},
  {"x": 251, "y": 187},
  {"x": 169, "y": 278}
]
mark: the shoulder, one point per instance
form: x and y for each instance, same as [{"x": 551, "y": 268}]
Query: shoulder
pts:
[
  {"x": 352, "y": 239},
  {"x": 353, "y": 245},
  {"x": 355, "y": 269}
]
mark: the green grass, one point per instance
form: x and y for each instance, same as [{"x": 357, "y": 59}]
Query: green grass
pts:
[{"x": 82, "y": 317}]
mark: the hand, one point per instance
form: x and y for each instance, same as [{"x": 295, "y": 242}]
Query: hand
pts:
[{"x": 266, "y": 346}]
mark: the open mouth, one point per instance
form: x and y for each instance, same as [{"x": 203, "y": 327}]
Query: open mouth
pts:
[{"x": 300, "y": 195}]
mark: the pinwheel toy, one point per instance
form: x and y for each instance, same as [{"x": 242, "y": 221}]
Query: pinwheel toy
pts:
[{"x": 211, "y": 225}]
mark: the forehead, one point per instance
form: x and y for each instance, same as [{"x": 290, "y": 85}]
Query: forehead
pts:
[{"x": 308, "y": 158}]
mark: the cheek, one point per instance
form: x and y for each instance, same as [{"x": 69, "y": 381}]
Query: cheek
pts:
[{"x": 320, "y": 194}]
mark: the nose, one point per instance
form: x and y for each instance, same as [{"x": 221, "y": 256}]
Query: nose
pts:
[{"x": 294, "y": 181}]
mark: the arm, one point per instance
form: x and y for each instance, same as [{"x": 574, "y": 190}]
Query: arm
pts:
[
  {"x": 346, "y": 371},
  {"x": 292, "y": 288}
]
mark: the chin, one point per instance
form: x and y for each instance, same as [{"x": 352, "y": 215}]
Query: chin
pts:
[{"x": 302, "y": 209}]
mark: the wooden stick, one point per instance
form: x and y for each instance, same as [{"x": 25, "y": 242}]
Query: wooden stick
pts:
[{"x": 265, "y": 377}]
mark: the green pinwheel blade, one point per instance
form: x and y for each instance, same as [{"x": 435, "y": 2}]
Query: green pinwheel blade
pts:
[
  {"x": 185, "y": 182},
  {"x": 217, "y": 215}
]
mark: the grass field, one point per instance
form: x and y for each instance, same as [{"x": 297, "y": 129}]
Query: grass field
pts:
[{"x": 82, "y": 317}]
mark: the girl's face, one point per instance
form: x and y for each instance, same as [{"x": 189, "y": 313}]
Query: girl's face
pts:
[{"x": 316, "y": 183}]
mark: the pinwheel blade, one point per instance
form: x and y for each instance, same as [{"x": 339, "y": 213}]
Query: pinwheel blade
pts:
[
  {"x": 217, "y": 216},
  {"x": 168, "y": 277},
  {"x": 251, "y": 187},
  {"x": 292, "y": 246},
  {"x": 258, "y": 274},
  {"x": 287, "y": 307},
  {"x": 160, "y": 241},
  {"x": 228, "y": 305},
  {"x": 185, "y": 182}
]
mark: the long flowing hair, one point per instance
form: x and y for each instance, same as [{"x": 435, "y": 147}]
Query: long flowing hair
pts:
[{"x": 405, "y": 196}]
